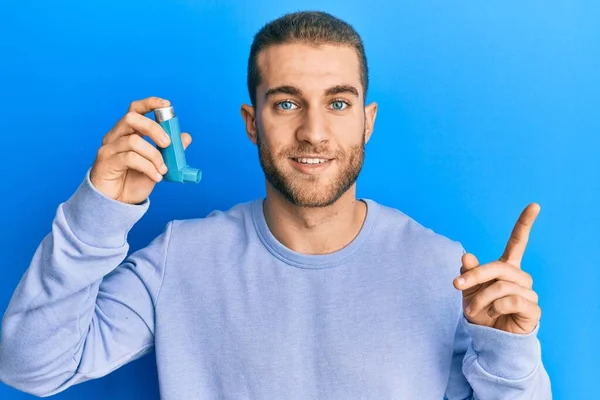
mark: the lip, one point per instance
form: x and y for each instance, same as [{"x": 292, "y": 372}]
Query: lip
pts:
[
  {"x": 313, "y": 156},
  {"x": 311, "y": 169}
]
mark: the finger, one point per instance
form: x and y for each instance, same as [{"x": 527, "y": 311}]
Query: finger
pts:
[
  {"x": 138, "y": 145},
  {"x": 495, "y": 291},
  {"x": 186, "y": 140},
  {"x": 515, "y": 248},
  {"x": 469, "y": 261},
  {"x": 132, "y": 160},
  {"x": 515, "y": 304},
  {"x": 494, "y": 270},
  {"x": 137, "y": 107},
  {"x": 148, "y": 104},
  {"x": 134, "y": 123}
]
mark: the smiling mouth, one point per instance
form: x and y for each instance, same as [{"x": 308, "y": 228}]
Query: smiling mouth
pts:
[
  {"x": 310, "y": 160},
  {"x": 311, "y": 165}
]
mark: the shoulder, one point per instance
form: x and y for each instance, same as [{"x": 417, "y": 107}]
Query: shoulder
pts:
[
  {"x": 426, "y": 258},
  {"x": 219, "y": 224},
  {"x": 410, "y": 235}
]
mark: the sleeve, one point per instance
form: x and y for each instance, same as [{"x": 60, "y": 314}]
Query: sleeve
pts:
[
  {"x": 490, "y": 364},
  {"x": 82, "y": 308}
]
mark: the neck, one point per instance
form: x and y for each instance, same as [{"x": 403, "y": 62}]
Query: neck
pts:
[{"x": 316, "y": 230}]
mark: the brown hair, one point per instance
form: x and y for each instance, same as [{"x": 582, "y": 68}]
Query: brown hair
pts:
[{"x": 308, "y": 27}]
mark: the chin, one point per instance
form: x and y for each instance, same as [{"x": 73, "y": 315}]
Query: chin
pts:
[
  {"x": 311, "y": 194},
  {"x": 312, "y": 202},
  {"x": 312, "y": 188}
]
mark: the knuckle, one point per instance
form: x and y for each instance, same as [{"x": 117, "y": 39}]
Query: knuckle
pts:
[
  {"x": 101, "y": 153},
  {"x": 502, "y": 286},
  {"x": 129, "y": 118},
  {"x": 129, "y": 157},
  {"x": 132, "y": 141},
  {"x": 132, "y": 106},
  {"x": 149, "y": 167},
  {"x": 516, "y": 301},
  {"x": 528, "y": 280},
  {"x": 496, "y": 306}
]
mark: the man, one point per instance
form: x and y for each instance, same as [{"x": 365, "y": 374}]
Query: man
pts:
[{"x": 309, "y": 293}]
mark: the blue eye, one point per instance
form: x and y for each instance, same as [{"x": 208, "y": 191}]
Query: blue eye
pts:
[
  {"x": 339, "y": 105},
  {"x": 285, "y": 105}
]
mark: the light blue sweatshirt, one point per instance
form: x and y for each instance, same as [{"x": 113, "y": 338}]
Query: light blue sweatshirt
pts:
[{"x": 231, "y": 313}]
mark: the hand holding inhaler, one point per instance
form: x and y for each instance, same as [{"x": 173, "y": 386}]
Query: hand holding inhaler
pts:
[{"x": 127, "y": 167}]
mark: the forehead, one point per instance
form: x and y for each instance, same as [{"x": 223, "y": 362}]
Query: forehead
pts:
[{"x": 308, "y": 67}]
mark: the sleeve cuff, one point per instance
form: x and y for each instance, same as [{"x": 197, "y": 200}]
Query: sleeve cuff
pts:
[
  {"x": 98, "y": 220},
  {"x": 504, "y": 354}
]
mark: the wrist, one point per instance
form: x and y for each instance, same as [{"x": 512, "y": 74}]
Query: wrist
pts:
[{"x": 99, "y": 220}]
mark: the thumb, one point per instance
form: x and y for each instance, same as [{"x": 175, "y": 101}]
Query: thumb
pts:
[
  {"x": 186, "y": 139},
  {"x": 469, "y": 261}
]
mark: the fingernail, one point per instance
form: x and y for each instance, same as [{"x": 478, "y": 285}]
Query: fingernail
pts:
[
  {"x": 468, "y": 309},
  {"x": 461, "y": 281},
  {"x": 158, "y": 177},
  {"x": 163, "y": 168}
]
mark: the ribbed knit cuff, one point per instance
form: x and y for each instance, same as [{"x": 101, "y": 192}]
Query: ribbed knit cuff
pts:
[{"x": 98, "y": 220}]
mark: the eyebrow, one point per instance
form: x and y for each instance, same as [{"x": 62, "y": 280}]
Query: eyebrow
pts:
[{"x": 294, "y": 91}]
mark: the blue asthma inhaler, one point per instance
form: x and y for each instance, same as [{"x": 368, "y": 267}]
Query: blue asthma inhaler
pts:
[{"x": 174, "y": 155}]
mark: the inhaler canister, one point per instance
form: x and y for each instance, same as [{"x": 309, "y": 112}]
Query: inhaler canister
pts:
[{"x": 174, "y": 155}]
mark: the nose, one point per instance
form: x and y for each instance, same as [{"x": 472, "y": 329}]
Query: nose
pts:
[{"x": 313, "y": 129}]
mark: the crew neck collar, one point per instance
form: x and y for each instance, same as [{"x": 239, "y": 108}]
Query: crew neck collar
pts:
[{"x": 313, "y": 261}]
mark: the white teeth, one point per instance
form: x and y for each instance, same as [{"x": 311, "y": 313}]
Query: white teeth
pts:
[{"x": 311, "y": 160}]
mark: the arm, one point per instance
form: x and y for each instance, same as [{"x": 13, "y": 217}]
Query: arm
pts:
[
  {"x": 489, "y": 363},
  {"x": 503, "y": 365},
  {"x": 81, "y": 309}
]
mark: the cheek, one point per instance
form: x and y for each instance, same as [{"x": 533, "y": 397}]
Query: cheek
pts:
[
  {"x": 355, "y": 125},
  {"x": 347, "y": 128},
  {"x": 271, "y": 149},
  {"x": 277, "y": 140},
  {"x": 274, "y": 146}
]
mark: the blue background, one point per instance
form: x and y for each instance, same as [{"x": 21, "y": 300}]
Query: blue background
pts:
[{"x": 484, "y": 107}]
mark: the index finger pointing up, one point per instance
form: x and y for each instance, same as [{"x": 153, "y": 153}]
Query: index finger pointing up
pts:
[{"x": 515, "y": 248}]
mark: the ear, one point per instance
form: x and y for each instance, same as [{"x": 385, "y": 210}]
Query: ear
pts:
[
  {"x": 250, "y": 121},
  {"x": 370, "y": 114}
]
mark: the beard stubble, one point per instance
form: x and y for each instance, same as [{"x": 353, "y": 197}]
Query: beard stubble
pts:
[{"x": 304, "y": 190}]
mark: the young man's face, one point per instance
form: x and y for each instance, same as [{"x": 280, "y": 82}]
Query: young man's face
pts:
[{"x": 310, "y": 123}]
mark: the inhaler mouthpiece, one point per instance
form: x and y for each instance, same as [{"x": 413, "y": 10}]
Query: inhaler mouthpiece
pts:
[{"x": 174, "y": 155}]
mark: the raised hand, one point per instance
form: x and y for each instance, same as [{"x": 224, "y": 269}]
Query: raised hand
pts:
[
  {"x": 500, "y": 294},
  {"x": 127, "y": 167}
]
